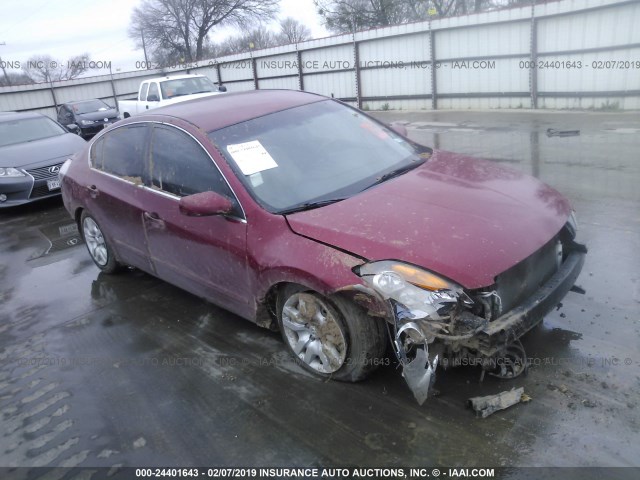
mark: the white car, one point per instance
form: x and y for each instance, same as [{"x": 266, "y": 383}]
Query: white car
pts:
[{"x": 163, "y": 91}]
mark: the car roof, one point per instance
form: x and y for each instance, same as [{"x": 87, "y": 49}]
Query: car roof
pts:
[
  {"x": 219, "y": 111},
  {"x": 12, "y": 116},
  {"x": 176, "y": 77},
  {"x": 75, "y": 102}
]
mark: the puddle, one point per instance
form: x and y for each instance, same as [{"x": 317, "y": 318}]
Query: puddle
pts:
[{"x": 56, "y": 238}]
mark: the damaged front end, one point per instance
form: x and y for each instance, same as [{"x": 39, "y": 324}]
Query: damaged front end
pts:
[
  {"x": 433, "y": 320},
  {"x": 423, "y": 307}
]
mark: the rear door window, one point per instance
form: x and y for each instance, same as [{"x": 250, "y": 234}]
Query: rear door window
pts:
[{"x": 121, "y": 152}]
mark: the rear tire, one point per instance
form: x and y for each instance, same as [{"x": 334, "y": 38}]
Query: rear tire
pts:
[
  {"x": 332, "y": 338},
  {"x": 99, "y": 249}
]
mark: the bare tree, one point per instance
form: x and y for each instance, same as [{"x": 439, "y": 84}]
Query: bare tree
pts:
[
  {"x": 14, "y": 78},
  {"x": 6, "y": 80},
  {"x": 347, "y": 15},
  {"x": 253, "y": 40},
  {"x": 293, "y": 31},
  {"x": 43, "y": 68},
  {"x": 178, "y": 29},
  {"x": 445, "y": 8}
]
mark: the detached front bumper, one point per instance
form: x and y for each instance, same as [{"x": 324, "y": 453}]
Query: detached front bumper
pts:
[
  {"x": 490, "y": 340},
  {"x": 421, "y": 342},
  {"x": 519, "y": 320}
]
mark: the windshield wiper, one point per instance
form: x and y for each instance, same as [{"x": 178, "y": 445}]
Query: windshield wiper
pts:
[
  {"x": 394, "y": 173},
  {"x": 311, "y": 205}
]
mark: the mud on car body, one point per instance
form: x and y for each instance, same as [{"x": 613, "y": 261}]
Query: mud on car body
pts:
[{"x": 303, "y": 214}]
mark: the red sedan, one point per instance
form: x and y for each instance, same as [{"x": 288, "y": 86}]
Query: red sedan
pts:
[{"x": 300, "y": 213}]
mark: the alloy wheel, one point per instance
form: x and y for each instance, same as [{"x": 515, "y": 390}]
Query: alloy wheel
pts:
[
  {"x": 95, "y": 241},
  {"x": 314, "y": 333}
]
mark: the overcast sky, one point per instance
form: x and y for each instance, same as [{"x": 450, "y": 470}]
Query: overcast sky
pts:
[{"x": 64, "y": 28}]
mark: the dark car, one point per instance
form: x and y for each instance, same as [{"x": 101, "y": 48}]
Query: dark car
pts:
[
  {"x": 32, "y": 149},
  {"x": 301, "y": 213},
  {"x": 90, "y": 116}
]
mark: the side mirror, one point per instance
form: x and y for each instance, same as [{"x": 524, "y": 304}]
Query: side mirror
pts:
[
  {"x": 205, "y": 204},
  {"x": 399, "y": 128},
  {"x": 72, "y": 128},
  {"x": 153, "y": 98},
  {"x": 222, "y": 88}
]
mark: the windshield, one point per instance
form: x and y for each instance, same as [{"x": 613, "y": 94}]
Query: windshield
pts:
[
  {"x": 90, "y": 106},
  {"x": 316, "y": 153},
  {"x": 186, "y": 86},
  {"x": 28, "y": 130}
]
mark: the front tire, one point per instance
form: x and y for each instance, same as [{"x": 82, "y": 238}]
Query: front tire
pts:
[
  {"x": 332, "y": 338},
  {"x": 99, "y": 249}
]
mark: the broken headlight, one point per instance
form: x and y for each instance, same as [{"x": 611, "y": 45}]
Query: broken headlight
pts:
[{"x": 422, "y": 293}]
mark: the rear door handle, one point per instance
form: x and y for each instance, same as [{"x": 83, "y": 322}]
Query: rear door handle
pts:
[{"x": 154, "y": 219}]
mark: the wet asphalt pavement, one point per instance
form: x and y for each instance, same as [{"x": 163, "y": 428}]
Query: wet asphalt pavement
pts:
[{"x": 100, "y": 370}]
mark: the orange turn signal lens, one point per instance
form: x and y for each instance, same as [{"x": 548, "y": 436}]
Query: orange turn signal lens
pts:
[{"x": 420, "y": 278}]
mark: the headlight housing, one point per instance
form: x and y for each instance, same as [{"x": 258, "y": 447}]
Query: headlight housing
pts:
[
  {"x": 422, "y": 293},
  {"x": 10, "y": 172},
  {"x": 86, "y": 122}
]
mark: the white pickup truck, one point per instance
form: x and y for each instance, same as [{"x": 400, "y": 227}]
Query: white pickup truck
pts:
[{"x": 158, "y": 92}]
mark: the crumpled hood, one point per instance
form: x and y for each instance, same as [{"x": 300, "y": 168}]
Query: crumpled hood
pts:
[
  {"x": 461, "y": 217},
  {"x": 25, "y": 155}
]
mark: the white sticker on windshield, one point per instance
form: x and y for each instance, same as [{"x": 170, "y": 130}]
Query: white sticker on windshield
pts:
[{"x": 251, "y": 157}]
